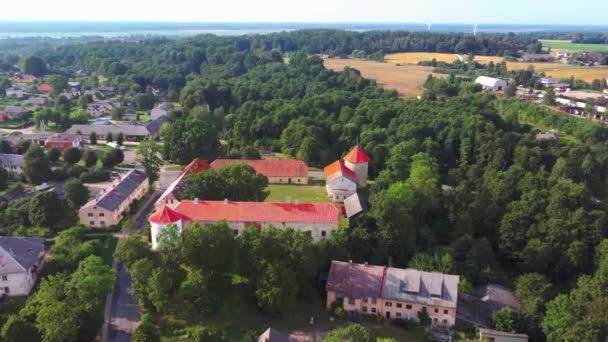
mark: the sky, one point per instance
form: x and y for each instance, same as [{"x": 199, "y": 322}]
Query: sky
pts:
[{"x": 582, "y": 12}]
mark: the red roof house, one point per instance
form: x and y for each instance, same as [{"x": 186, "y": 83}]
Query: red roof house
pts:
[
  {"x": 357, "y": 156},
  {"x": 44, "y": 88},
  {"x": 166, "y": 216},
  {"x": 171, "y": 195},
  {"x": 259, "y": 212},
  {"x": 277, "y": 171},
  {"x": 63, "y": 141},
  {"x": 338, "y": 166}
]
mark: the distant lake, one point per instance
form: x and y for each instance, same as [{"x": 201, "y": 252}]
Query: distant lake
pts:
[{"x": 21, "y": 29}]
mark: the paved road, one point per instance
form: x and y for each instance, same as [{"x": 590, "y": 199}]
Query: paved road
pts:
[{"x": 124, "y": 316}]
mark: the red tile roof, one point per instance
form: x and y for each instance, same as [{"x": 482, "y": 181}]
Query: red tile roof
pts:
[
  {"x": 196, "y": 166},
  {"x": 355, "y": 280},
  {"x": 212, "y": 211},
  {"x": 45, "y": 88},
  {"x": 166, "y": 215},
  {"x": 357, "y": 155},
  {"x": 176, "y": 187},
  {"x": 338, "y": 166},
  {"x": 269, "y": 168}
]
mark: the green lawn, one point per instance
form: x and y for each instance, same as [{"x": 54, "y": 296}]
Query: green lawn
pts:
[
  {"x": 565, "y": 45},
  {"x": 302, "y": 193}
]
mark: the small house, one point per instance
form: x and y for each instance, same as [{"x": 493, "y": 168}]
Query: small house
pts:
[
  {"x": 21, "y": 259},
  {"x": 491, "y": 83},
  {"x": 12, "y": 163}
]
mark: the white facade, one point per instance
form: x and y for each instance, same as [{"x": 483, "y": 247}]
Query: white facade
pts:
[
  {"x": 340, "y": 187},
  {"x": 360, "y": 169}
]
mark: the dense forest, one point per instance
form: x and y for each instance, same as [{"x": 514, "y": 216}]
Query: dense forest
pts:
[{"x": 461, "y": 183}]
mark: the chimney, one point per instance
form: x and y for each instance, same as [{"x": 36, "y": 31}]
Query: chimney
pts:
[
  {"x": 196, "y": 200},
  {"x": 225, "y": 201}
]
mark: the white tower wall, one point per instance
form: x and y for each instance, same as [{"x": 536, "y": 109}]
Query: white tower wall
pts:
[{"x": 360, "y": 169}]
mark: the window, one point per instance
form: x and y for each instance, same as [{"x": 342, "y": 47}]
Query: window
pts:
[
  {"x": 351, "y": 301},
  {"x": 364, "y": 309},
  {"x": 298, "y": 180},
  {"x": 103, "y": 223},
  {"x": 364, "y": 300},
  {"x": 323, "y": 233},
  {"x": 398, "y": 314},
  {"x": 374, "y": 300},
  {"x": 445, "y": 321},
  {"x": 101, "y": 214},
  {"x": 90, "y": 214},
  {"x": 6, "y": 289},
  {"x": 4, "y": 278},
  {"x": 436, "y": 310},
  {"x": 407, "y": 306},
  {"x": 91, "y": 222},
  {"x": 235, "y": 232},
  {"x": 399, "y": 305},
  {"x": 445, "y": 311},
  {"x": 373, "y": 310},
  {"x": 389, "y": 304}
]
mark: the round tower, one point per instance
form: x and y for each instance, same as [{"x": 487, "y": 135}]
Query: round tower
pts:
[
  {"x": 163, "y": 218},
  {"x": 357, "y": 161}
]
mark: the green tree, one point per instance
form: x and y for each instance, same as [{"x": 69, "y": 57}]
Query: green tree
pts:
[
  {"x": 131, "y": 249},
  {"x": 146, "y": 332},
  {"x": 148, "y": 153},
  {"x": 351, "y": 333},
  {"x": 3, "y": 178},
  {"x": 109, "y": 137},
  {"x": 161, "y": 289},
  {"x": 185, "y": 140},
  {"x": 90, "y": 158},
  {"x": 209, "y": 247},
  {"x": 120, "y": 138},
  {"x": 19, "y": 329},
  {"x": 76, "y": 194},
  {"x": 36, "y": 167},
  {"x": 141, "y": 271},
  {"x": 58, "y": 84},
  {"x": 533, "y": 290},
  {"x": 276, "y": 291},
  {"x": 33, "y": 65},
  {"x": 511, "y": 90},
  {"x": 72, "y": 155},
  {"x": 504, "y": 320},
  {"x": 53, "y": 154},
  {"x": 144, "y": 101},
  {"x": 549, "y": 98},
  {"x": 236, "y": 182},
  {"x": 45, "y": 209},
  {"x": 117, "y": 155},
  {"x": 93, "y": 138}
]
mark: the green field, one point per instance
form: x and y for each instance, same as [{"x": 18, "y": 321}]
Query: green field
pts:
[
  {"x": 302, "y": 193},
  {"x": 569, "y": 46}
]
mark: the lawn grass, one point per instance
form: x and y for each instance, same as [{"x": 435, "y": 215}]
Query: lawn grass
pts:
[
  {"x": 302, "y": 193},
  {"x": 569, "y": 46}
]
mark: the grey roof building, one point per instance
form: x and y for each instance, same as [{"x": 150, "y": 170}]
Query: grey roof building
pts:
[
  {"x": 21, "y": 253},
  {"x": 11, "y": 160},
  {"x": 273, "y": 335},
  {"x": 112, "y": 199},
  {"x": 426, "y": 288},
  {"x": 38, "y": 101},
  {"x": 131, "y": 131}
]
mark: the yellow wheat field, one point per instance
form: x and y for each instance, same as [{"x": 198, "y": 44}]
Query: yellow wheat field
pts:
[
  {"x": 587, "y": 74},
  {"x": 415, "y": 57}
]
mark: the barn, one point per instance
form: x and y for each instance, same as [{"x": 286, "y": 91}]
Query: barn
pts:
[{"x": 491, "y": 83}]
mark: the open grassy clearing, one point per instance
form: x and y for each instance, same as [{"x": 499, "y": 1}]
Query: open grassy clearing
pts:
[
  {"x": 302, "y": 193},
  {"x": 583, "y": 73},
  {"x": 407, "y": 80},
  {"x": 566, "y": 45}
]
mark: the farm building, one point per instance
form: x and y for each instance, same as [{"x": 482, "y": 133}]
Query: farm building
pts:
[
  {"x": 170, "y": 197},
  {"x": 131, "y": 132},
  {"x": 106, "y": 209},
  {"x": 277, "y": 171},
  {"x": 63, "y": 141},
  {"x": 317, "y": 219},
  {"x": 491, "y": 83},
  {"x": 21, "y": 259},
  {"x": 393, "y": 293}
]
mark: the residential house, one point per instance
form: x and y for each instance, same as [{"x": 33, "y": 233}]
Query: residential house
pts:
[
  {"x": 340, "y": 181},
  {"x": 162, "y": 109},
  {"x": 490, "y": 335},
  {"x": 74, "y": 85},
  {"x": 319, "y": 220},
  {"x": 277, "y": 171},
  {"x": 393, "y": 293},
  {"x": 171, "y": 197},
  {"x": 102, "y": 107},
  {"x": 10, "y": 112},
  {"x": 63, "y": 141},
  {"x": 354, "y": 205},
  {"x": 17, "y": 92},
  {"x": 553, "y": 83},
  {"x": 491, "y": 83},
  {"x": 24, "y": 78},
  {"x": 155, "y": 125},
  {"x": 44, "y": 88},
  {"x": 107, "y": 91},
  {"x": 12, "y": 163},
  {"x": 106, "y": 209},
  {"x": 38, "y": 102},
  {"x": 21, "y": 259},
  {"x": 131, "y": 132}
]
